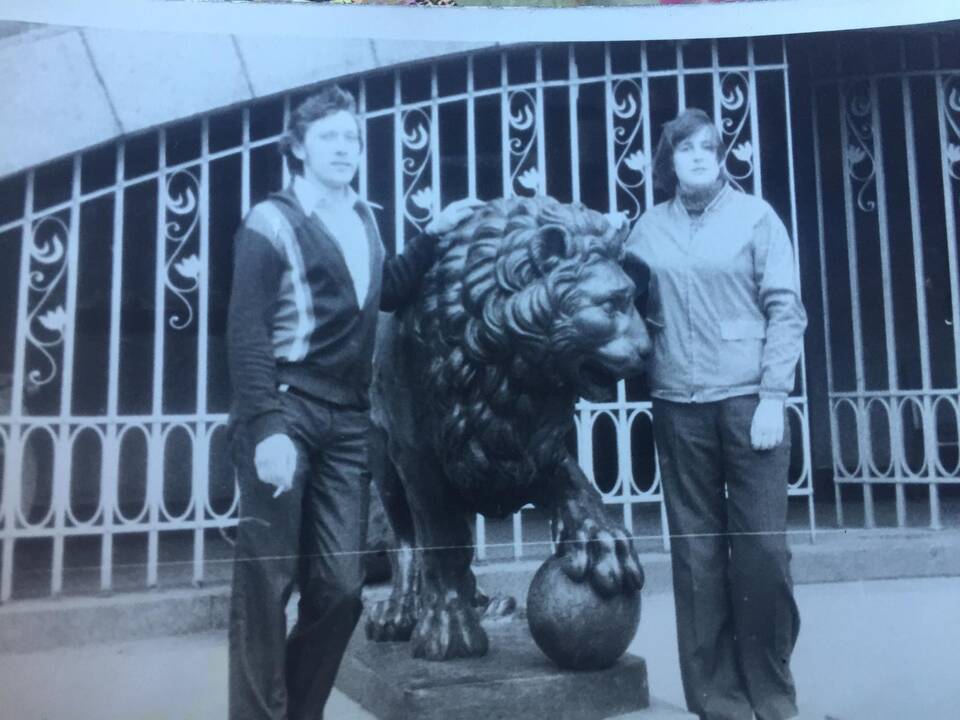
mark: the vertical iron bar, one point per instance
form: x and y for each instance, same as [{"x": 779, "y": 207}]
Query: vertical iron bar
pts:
[
  {"x": 853, "y": 265},
  {"x": 202, "y": 437},
  {"x": 111, "y": 485},
  {"x": 647, "y": 130},
  {"x": 608, "y": 102},
  {"x": 435, "y": 178},
  {"x": 62, "y": 470},
  {"x": 505, "y": 129},
  {"x": 518, "y": 534},
  {"x": 155, "y": 447},
  {"x": 399, "y": 191},
  {"x": 14, "y": 452},
  {"x": 681, "y": 78},
  {"x": 245, "y": 165},
  {"x": 825, "y": 297},
  {"x": 930, "y": 449},
  {"x": 715, "y": 76},
  {"x": 624, "y": 455},
  {"x": 481, "y": 537},
  {"x": 471, "y": 142},
  {"x": 754, "y": 121},
  {"x": 541, "y": 126},
  {"x": 795, "y": 237},
  {"x": 286, "y": 123},
  {"x": 889, "y": 331},
  {"x": 362, "y": 111},
  {"x": 574, "y": 100}
]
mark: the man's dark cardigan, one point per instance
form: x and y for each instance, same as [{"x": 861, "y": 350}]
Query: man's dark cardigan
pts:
[{"x": 293, "y": 315}]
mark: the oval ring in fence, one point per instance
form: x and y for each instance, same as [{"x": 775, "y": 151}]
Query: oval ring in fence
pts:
[
  {"x": 837, "y": 449},
  {"x": 147, "y": 452},
  {"x": 615, "y": 488},
  {"x": 954, "y": 404},
  {"x": 650, "y": 493},
  {"x": 873, "y": 436},
  {"x": 165, "y": 434},
  {"x": 212, "y": 429},
  {"x": 97, "y": 515},
  {"x": 794, "y": 410},
  {"x": 920, "y": 431},
  {"x": 30, "y": 493}
]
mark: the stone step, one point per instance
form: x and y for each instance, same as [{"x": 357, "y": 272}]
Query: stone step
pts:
[{"x": 837, "y": 556}]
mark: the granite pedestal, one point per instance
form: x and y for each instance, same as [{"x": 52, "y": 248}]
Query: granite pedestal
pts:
[{"x": 514, "y": 680}]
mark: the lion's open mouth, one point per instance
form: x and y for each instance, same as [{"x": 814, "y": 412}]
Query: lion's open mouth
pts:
[{"x": 596, "y": 381}]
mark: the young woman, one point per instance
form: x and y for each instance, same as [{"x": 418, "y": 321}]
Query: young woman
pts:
[{"x": 727, "y": 326}]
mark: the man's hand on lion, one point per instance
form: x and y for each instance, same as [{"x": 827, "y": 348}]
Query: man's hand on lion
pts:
[
  {"x": 452, "y": 215},
  {"x": 276, "y": 460},
  {"x": 618, "y": 220},
  {"x": 603, "y": 555}
]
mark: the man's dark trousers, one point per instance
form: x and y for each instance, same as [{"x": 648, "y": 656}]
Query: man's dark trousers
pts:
[
  {"x": 737, "y": 621},
  {"x": 309, "y": 536}
]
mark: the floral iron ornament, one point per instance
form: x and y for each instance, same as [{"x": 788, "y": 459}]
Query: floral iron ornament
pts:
[
  {"x": 47, "y": 318},
  {"x": 183, "y": 216}
]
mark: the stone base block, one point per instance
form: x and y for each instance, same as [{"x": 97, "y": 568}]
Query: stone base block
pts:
[{"x": 514, "y": 680}]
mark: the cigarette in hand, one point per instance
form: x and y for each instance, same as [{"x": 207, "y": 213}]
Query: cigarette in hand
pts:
[{"x": 278, "y": 492}]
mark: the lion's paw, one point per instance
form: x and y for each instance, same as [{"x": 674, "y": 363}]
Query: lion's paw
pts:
[
  {"x": 449, "y": 630},
  {"x": 392, "y": 620},
  {"x": 603, "y": 554}
]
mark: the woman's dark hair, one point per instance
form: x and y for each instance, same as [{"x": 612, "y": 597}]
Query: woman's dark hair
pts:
[
  {"x": 331, "y": 99},
  {"x": 687, "y": 123}
]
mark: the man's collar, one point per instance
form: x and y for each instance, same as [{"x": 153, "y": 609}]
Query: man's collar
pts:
[{"x": 312, "y": 196}]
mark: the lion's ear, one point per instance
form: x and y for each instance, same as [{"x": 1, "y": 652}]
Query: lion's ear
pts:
[{"x": 549, "y": 247}]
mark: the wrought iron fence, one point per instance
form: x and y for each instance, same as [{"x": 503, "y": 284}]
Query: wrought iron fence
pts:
[
  {"x": 116, "y": 267},
  {"x": 887, "y": 149}
]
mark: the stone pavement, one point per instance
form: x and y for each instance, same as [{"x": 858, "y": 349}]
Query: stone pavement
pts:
[{"x": 872, "y": 650}]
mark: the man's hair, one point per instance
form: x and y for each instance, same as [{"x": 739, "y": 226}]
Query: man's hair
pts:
[
  {"x": 329, "y": 100},
  {"x": 686, "y": 124}
]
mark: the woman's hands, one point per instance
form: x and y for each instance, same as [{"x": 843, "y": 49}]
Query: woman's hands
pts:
[{"x": 766, "y": 430}]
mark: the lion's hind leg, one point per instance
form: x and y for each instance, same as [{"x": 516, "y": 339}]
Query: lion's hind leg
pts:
[
  {"x": 393, "y": 619},
  {"x": 448, "y": 625}
]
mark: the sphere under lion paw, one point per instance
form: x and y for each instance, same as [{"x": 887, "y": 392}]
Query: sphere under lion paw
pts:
[{"x": 573, "y": 625}]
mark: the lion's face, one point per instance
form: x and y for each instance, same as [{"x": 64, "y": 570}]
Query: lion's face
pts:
[
  {"x": 613, "y": 340},
  {"x": 536, "y": 289}
]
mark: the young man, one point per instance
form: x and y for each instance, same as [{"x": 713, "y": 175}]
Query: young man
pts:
[{"x": 310, "y": 277}]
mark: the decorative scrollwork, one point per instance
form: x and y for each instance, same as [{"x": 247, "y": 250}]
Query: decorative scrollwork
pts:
[
  {"x": 860, "y": 162},
  {"x": 418, "y": 195},
  {"x": 631, "y": 166},
  {"x": 951, "y": 111},
  {"x": 48, "y": 260},
  {"x": 525, "y": 177},
  {"x": 738, "y": 160},
  {"x": 182, "y": 216}
]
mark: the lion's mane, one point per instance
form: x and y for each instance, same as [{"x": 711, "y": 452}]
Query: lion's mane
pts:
[{"x": 494, "y": 321}]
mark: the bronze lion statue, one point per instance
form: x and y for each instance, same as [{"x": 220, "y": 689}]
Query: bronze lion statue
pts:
[{"x": 527, "y": 307}]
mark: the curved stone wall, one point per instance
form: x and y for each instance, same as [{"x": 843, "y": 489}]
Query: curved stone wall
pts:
[{"x": 70, "y": 88}]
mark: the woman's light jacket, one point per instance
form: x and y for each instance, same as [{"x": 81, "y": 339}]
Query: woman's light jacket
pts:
[{"x": 724, "y": 304}]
